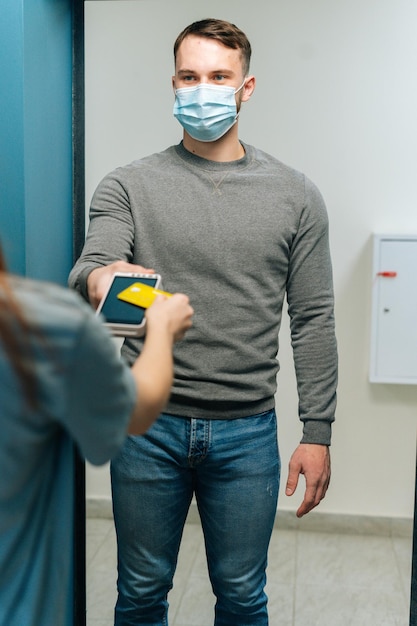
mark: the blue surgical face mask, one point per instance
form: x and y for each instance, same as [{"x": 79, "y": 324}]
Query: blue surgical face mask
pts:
[{"x": 206, "y": 111}]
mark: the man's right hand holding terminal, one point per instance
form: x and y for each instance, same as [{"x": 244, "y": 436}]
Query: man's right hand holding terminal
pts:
[{"x": 167, "y": 321}]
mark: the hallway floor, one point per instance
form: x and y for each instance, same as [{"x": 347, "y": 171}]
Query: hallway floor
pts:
[{"x": 314, "y": 579}]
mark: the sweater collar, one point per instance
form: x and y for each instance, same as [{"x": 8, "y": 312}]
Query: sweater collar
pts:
[{"x": 214, "y": 166}]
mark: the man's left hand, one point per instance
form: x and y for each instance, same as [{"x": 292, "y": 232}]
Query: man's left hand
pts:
[{"x": 312, "y": 460}]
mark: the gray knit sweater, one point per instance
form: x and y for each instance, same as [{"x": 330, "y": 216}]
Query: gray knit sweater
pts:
[{"x": 235, "y": 237}]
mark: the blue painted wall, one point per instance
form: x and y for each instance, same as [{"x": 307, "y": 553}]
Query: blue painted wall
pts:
[
  {"x": 35, "y": 137},
  {"x": 36, "y": 150}
]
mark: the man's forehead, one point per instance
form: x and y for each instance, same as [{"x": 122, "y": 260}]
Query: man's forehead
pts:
[{"x": 206, "y": 49}]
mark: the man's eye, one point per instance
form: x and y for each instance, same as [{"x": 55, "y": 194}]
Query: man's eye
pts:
[{"x": 219, "y": 77}]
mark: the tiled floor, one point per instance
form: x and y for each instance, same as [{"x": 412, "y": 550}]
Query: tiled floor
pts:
[{"x": 314, "y": 579}]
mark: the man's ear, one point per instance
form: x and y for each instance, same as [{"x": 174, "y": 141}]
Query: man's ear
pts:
[
  {"x": 248, "y": 88},
  {"x": 173, "y": 83}
]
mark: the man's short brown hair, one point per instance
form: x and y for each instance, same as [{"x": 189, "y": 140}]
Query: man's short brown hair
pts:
[{"x": 226, "y": 33}]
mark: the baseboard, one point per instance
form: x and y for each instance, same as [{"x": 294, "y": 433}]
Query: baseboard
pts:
[{"x": 316, "y": 521}]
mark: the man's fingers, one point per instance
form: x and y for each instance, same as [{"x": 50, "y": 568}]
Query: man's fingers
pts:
[
  {"x": 313, "y": 461},
  {"x": 292, "y": 481},
  {"x": 313, "y": 496}
]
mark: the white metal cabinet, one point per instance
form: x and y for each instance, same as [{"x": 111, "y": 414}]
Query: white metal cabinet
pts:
[{"x": 394, "y": 310}]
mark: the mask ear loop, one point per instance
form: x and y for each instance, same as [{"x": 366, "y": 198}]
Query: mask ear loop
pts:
[{"x": 239, "y": 88}]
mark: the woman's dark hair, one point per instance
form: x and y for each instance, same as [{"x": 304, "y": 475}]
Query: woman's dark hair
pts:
[
  {"x": 226, "y": 33},
  {"x": 15, "y": 335}
]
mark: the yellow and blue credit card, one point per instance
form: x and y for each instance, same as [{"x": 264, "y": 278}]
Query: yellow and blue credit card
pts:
[{"x": 141, "y": 295}]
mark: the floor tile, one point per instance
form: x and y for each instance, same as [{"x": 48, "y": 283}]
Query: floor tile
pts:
[
  {"x": 313, "y": 579},
  {"x": 96, "y": 532},
  {"x": 402, "y": 550},
  {"x": 359, "y": 561},
  {"x": 280, "y": 603},
  {"x": 282, "y": 557},
  {"x": 333, "y": 605},
  {"x": 191, "y": 541},
  {"x": 197, "y": 603}
]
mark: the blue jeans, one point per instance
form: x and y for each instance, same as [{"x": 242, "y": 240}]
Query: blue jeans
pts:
[{"x": 233, "y": 468}]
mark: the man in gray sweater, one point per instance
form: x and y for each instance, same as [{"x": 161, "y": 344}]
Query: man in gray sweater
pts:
[{"x": 236, "y": 230}]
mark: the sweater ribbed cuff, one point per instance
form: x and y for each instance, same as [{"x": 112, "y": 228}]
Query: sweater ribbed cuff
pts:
[{"x": 317, "y": 431}]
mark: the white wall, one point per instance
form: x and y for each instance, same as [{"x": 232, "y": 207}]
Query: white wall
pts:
[{"x": 336, "y": 97}]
